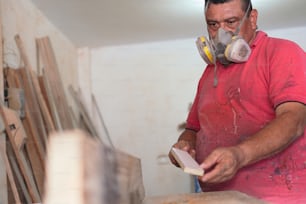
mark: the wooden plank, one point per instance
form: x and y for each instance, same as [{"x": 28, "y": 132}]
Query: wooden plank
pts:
[
  {"x": 33, "y": 117},
  {"x": 32, "y": 101},
  {"x": 11, "y": 179},
  {"x": 51, "y": 69},
  {"x": 45, "y": 86},
  {"x": 37, "y": 166},
  {"x": 3, "y": 180},
  {"x": 42, "y": 104},
  {"x": 186, "y": 162},
  {"x": 11, "y": 126},
  {"x": 12, "y": 164},
  {"x": 101, "y": 120},
  {"x": 88, "y": 123}
]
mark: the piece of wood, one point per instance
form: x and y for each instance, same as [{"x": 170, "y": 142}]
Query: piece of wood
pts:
[
  {"x": 14, "y": 169},
  {"x": 30, "y": 152},
  {"x": 45, "y": 50},
  {"x": 33, "y": 116},
  {"x": 32, "y": 101},
  {"x": 42, "y": 104},
  {"x": 65, "y": 168},
  {"x": 15, "y": 100},
  {"x": 220, "y": 197},
  {"x": 3, "y": 180},
  {"x": 11, "y": 179},
  {"x": 86, "y": 119},
  {"x": 186, "y": 162},
  {"x": 34, "y": 150},
  {"x": 15, "y": 127},
  {"x": 82, "y": 170},
  {"x": 9, "y": 122},
  {"x": 45, "y": 86},
  {"x": 105, "y": 132}
]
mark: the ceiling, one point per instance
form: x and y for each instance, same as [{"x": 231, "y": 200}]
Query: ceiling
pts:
[{"x": 97, "y": 23}]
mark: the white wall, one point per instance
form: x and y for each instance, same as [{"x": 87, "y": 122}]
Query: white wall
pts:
[
  {"x": 296, "y": 34},
  {"x": 143, "y": 92}
]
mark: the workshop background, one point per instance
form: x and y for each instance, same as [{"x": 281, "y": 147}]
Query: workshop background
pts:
[{"x": 139, "y": 60}]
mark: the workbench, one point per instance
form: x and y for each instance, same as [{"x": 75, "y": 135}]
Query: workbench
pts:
[{"x": 226, "y": 197}]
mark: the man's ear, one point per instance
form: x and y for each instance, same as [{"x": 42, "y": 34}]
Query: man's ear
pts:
[{"x": 253, "y": 18}]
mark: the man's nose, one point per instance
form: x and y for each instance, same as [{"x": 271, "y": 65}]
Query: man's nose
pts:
[{"x": 223, "y": 25}]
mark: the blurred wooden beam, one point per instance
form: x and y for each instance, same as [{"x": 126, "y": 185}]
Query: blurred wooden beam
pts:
[{"x": 82, "y": 170}]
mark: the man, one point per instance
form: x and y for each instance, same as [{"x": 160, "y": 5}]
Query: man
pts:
[{"x": 246, "y": 127}]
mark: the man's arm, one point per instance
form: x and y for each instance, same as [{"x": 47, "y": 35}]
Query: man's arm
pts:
[{"x": 288, "y": 125}]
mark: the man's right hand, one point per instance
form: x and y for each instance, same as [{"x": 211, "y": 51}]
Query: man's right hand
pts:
[{"x": 185, "y": 142}]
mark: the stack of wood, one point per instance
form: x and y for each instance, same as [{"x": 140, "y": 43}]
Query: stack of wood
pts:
[{"x": 35, "y": 106}]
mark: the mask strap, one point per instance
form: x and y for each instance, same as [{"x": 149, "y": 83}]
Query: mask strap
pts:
[{"x": 243, "y": 19}]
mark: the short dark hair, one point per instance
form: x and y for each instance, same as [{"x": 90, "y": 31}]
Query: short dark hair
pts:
[{"x": 245, "y": 4}]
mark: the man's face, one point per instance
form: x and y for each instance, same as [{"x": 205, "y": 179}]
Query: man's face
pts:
[{"x": 229, "y": 16}]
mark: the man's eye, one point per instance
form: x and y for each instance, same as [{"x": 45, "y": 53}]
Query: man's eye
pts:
[
  {"x": 231, "y": 22},
  {"x": 213, "y": 24}
]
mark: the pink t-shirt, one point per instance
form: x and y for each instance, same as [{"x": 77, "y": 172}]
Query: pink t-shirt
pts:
[{"x": 242, "y": 103}]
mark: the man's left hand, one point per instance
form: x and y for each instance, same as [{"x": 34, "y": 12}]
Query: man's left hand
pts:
[{"x": 221, "y": 165}]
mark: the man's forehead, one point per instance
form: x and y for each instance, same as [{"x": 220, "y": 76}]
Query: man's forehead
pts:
[{"x": 224, "y": 11}]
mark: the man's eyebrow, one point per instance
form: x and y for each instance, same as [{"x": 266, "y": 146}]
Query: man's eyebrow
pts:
[{"x": 227, "y": 19}]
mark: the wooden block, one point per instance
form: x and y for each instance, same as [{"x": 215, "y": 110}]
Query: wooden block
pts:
[{"x": 186, "y": 162}]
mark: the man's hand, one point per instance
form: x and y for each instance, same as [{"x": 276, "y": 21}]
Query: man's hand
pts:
[
  {"x": 221, "y": 165},
  {"x": 185, "y": 142}
]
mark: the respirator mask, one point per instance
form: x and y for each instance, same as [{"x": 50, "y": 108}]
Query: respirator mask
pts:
[{"x": 226, "y": 47}]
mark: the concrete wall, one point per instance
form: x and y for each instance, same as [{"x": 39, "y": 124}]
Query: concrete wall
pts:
[
  {"x": 23, "y": 18},
  {"x": 143, "y": 91}
]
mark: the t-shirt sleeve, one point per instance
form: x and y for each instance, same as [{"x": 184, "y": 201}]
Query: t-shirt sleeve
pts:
[
  {"x": 192, "y": 119},
  {"x": 287, "y": 73}
]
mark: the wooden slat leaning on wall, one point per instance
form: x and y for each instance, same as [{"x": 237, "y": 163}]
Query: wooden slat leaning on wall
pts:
[
  {"x": 32, "y": 96},
  {"x": 3, "y": 163},
  {"x": 90, "y": 172},
  {"x": 45, "y": 51},
  {"x": 17, "y": 135},
  {"x": 33, "y": 143}
]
